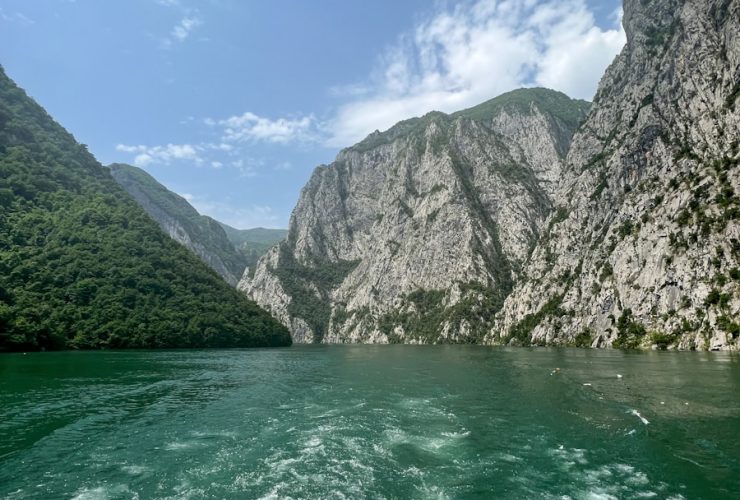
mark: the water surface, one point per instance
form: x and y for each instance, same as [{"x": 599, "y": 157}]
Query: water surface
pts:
[{"x": 370, "y": 422}]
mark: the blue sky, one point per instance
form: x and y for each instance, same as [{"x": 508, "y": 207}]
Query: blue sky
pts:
[{"x": 233, "y": 103}]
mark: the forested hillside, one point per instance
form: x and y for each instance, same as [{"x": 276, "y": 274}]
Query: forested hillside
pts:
[
  {"x": 83, "y": 266},
  {"x": 201, "y": 234}
]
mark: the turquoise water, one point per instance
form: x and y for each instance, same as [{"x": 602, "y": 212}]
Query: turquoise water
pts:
[{"x": 370, "y": 422}]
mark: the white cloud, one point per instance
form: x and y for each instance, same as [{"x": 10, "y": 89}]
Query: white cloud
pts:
[
  {"x": 146, "y": 155},
  {"x": 248, "y": 167},
  {"x": 182, "y": 30},
  {"x": 215, "y": 155},
  {"x": 186, "y": 25},
  {"x": 250, "y": 127},
  {"x": 16, "y": 17},
  {"x": 464, "y": 56}
]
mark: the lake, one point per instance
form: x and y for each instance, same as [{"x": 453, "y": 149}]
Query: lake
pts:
[{"x": 370, "y": 422}]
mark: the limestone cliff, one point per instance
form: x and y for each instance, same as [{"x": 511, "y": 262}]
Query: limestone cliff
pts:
[
  {"x": 643, "y": 249},
  {"x": 417, "y": 234},
  {"x": 517, "y": 222}
]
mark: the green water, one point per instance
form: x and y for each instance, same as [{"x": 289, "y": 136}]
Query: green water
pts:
[{"x": 370, "y": 422}]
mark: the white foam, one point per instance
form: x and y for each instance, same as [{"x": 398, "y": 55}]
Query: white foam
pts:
[
  {"x": 135, "y": 470},
  {"x": 456, "y": 435},
  {"x": 179, "y": 445},
  {"x": 313, "y": 442},
  {"x": 637, "y": 414},
  {"x": 99, "y": 493},
  {"x": 220, "y": 434},
  {"x": 104, "y": 493},
  {"x": 432, "y": 492},
  {"x": 508, "y": 457},
  {"x": 600, "y": 495}
]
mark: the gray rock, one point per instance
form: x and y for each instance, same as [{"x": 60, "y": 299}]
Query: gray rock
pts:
[
  {"x": 518, "y": 222},
  {"x": 417, "y": 234},
  {"x": 650, "y": 184}
]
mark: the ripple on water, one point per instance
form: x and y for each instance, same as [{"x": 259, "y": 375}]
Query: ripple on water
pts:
[
  {"x": 181, "y": 445},
  {"x": 136, "y": 470},
  {"x": 215, "y": 433}
]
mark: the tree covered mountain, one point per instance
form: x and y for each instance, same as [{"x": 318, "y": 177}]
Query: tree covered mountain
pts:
[
  {"x": 83, "y": 266},
  {"x": 226, "y": 250},
  {"x": 201, "y": 234}
]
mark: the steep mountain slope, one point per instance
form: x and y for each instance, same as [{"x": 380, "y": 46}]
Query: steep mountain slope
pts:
[
  {"x": 254, "y": 243},
  {"x": 417, "y": 234},
  {"x": 83, "y": 266},
  {"x": 199, "y": 233},
  {"x": 644, "y": 247}
]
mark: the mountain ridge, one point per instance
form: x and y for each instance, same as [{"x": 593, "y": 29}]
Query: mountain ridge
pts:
[
  {"x": 199, "y": 233},
  {"x": 522, "y": 227},
  {"x": 430, "y": 165},
  {"x": 82, "y": 266},
  {"x": 646, "y": 250}
]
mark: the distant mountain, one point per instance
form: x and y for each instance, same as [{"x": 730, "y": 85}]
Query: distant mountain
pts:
[
  {"x": 201, "y": 234},
  {"x": 254, "y": 243},
  {"x": 83, "y": 266}
]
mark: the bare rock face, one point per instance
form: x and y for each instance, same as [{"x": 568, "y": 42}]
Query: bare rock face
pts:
[
  {"x": 418, "y": 234},
  {"x": 642, "y": 249},
  {"x": 497, "y": 224}
]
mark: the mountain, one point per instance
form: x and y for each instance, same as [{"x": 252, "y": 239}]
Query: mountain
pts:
[
  {"x": 83, "y": 266},
  {"x": 417, "y": 234},
  {"x": 254, "y": 243},
  {"x": 536, "y": 219},
  {"x": 644, "y": 248},
  {"x": 202, "y": 235}
]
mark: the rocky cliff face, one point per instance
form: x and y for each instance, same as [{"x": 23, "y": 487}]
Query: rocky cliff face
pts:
[
  {"x": 643, "y": 248},
  {"x": 202, "y": 235},
  {"x": 418, "y": 234},
  {"x": 492, "y": 225}
]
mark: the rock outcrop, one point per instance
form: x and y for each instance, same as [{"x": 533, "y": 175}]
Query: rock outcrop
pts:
[
  {"x": 417, "y": 234},
  {"x": 524, "y": 221},
  {"x": 643, "y": 248}
]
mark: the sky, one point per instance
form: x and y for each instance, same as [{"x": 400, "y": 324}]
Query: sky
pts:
[{"x": 233, "y": 103}]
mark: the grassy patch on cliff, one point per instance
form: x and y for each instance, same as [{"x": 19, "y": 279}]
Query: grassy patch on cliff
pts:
[
  {"x": 309, "y": 287},
  {"x": 522, "y": 331},
  {"x": 423, "y": 315}
]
